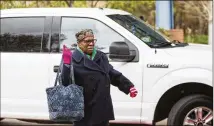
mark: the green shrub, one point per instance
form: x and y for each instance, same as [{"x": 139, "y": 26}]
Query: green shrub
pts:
[{"x": 201, "y": 39}]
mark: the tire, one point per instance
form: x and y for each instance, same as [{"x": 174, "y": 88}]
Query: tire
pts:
[
  {"x": 186, "y": 106},
  {"x": 1, "y": 119}
]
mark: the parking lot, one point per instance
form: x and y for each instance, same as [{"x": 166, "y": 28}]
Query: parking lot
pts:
[{"x": 14, "y": 122}]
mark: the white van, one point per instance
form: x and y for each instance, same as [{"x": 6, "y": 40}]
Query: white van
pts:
[{"x": 174, "y": 80}]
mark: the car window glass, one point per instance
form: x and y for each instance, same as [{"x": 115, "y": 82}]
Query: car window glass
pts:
[
  {"x": 104, "y": 34},
  {"x": 21, "y": 34}
]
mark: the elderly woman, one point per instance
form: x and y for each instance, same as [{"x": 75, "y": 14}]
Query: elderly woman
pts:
[{"x": 93, "y": 72}]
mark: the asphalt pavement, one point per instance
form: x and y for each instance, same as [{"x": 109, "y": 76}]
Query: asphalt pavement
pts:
[{"x": 14, "y": 122}]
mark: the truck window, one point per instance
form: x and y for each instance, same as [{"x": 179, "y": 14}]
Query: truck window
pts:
[
  {"x": 140, "y": 29},
  {"x": 21, "y": 34},
  {"x": 104, "y": 34}
]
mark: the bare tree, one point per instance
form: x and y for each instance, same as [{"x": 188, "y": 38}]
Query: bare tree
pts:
[
  {"x": 203, "y": 8},
  {"x": 205, "y": 11},
  {"x": 69, "y": 2},
  {"x": 93, "y": 3},
  {"x": 207, "y": 5},
  {"x": 210, "y": 23},
  {"x": 194, "y": 15},
  {"x": 25, "y": 3}
]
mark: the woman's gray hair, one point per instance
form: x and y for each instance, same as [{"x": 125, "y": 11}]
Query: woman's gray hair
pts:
[{"x": 83, "y": 33}]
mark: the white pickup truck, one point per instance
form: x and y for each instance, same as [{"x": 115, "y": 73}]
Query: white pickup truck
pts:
[{"x": 174, "y": 80}]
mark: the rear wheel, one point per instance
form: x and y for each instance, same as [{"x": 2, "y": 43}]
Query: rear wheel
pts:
[{"x": 194, "y": 110}]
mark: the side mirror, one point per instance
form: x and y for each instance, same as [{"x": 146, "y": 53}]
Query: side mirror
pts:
[{"x": 119, "y": 51}]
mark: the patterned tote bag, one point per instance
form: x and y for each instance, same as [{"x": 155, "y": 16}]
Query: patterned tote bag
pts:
[{"x": 65, "y": 103}]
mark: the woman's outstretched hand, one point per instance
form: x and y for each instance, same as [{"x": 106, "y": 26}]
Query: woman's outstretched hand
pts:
[{"x": 133, "y": 92}]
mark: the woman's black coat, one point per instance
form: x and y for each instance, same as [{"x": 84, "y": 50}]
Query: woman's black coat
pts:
[{"x": 96, "y": 76}]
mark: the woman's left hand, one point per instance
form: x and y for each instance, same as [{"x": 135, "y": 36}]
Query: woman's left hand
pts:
[{"x": 133, "y": 92}]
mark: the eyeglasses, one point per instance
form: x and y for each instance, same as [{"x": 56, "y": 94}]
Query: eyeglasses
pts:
[{"x": 89, "y": 41}]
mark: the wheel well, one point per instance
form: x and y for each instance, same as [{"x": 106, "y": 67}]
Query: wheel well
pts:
[{"x": 174, "y": 94}]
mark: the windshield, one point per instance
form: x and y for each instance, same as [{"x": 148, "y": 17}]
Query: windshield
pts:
[{"x": 141, "y": 30}]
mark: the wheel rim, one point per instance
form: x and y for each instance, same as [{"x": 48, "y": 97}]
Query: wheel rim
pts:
[{"x": 200, "y": 116}]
